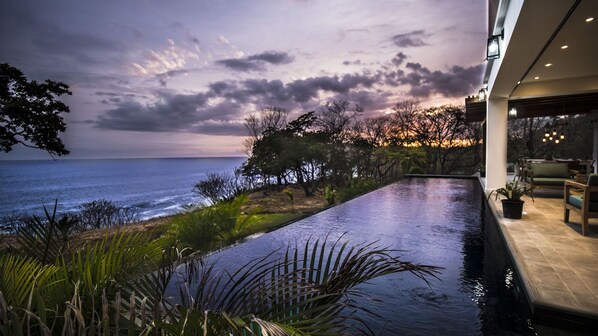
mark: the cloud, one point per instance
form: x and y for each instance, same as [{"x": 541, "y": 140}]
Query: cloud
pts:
[
  {"x": 240, "y": 64},
  {"x": 356, "y": 62},
  {"x": 219, "y": 110},
  {"x": 170, "y": 114},
  {"x": 223, "y": 40},
  {"x": 306, "y": 89},
  {"x": 173, "y": 57},
  {"x": 176, "y": 113},
  {"x": 398, "y": 59},
  {"x": 223, "y": 105},
  {"x": 256, "y": 62},
  {"x": 272, "y": 57},
  {"x": 457, "y": 81},
  {"x": 162, "y": 77},
  {"x": 412, "y": 39},
  {"x": 36, "y": 44}
]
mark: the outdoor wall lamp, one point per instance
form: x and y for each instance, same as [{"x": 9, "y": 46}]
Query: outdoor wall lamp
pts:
[
  {"x": 482, "y": 95},
  {"x": 513, "y": 112},
  {"x": 493, "y": 47}
]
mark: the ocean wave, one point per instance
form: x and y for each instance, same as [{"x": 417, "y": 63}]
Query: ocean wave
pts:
[
  {"x": 173, "y": 207},
  {"x": 164, "y": 199}
]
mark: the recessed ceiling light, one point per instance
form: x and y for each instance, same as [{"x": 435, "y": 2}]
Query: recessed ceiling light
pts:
[
  {"x": 590, "y": 19},
  {"x": 536, "y": 77},
  {"x": 548, "y": 65},
  {"x": 519, "y": 82},
  {"x": 564, "y": 47}
]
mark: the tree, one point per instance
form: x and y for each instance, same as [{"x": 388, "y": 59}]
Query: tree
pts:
[
  {"x": 221, "y": 187},
  {"x": 270, "y": 118},
  {"x": 30, "y": 113}
]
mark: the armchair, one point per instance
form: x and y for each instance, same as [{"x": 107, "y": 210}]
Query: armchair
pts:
[{"x": 584, "y": 204}]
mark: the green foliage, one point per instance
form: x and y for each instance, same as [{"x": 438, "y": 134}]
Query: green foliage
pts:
[
  {"x": 117, "y": 288},
  {"x": 266, "y": 221},
  {"x": 330, "y": 195},
  {"x": 46, "y": 287},
  {"x": 229, "y": 220},
  {"x": 512, "y": 191},
  {"x": 195, "y": 229},
  {"x": 292, "y": 151},
  {"x": 333, "y": 147},
  {"x": 223, "y": 222},
  {"x": 289, "y": 194},
  {"x": 356, "y": 188},
  {"x": 416, "y": 170},
  {"x": 30, "y": 114},
  {"x": 39, "y": 237}
]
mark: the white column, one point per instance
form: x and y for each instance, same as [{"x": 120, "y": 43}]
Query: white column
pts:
[{"x": 496, "y": 142}]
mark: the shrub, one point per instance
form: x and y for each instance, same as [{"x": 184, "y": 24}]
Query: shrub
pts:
[
  {"x": 10, "y": 224},
  {"x": 67, "y": 225},
  {"x": 356, "y": 188},
  {"x": 103, "y": 213},
  {"x": 291, "y": 197},
  {"x": 221, "y": 187},
  {"x": 223, "y": 222},
  {"x": 417, "y": 170},
  {"x": 231, "y": 222},
  {"x": 195, "y": 229},
  {"x": 330, "y": 195}
]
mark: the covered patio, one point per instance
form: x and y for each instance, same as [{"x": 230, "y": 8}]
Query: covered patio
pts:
[
  {"x": 542, "y": 62},
  {"x": 558, "y": 266}
]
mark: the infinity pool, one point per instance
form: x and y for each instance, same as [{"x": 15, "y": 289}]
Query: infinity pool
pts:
[{"x": 441, "y": 222}]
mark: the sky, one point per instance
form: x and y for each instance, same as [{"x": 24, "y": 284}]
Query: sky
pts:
[{"x": 177, "y": 78}]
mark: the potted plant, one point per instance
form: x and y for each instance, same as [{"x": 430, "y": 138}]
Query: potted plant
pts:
[{"x": 512, "y": 204}]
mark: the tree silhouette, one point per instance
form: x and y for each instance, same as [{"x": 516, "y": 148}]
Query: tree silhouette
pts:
[{"x": 30, "y": 114}]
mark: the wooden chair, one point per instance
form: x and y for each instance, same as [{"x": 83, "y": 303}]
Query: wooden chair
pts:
[{"x": 585, "y": 204}]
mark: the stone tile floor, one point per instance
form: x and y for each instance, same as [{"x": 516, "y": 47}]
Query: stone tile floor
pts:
[{"x": 557, "y": 264}]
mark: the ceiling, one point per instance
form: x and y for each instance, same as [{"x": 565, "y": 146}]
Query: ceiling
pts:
[
  {"x": 573, "y": 69},
  {"x": 570, "y": 85}
]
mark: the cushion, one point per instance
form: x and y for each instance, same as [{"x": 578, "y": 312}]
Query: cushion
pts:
[
  {"x": 549, "y": 181},
  {"x": 550, "y": 169},
  {"x": 593, "y": 181},
  {"x": 576, "y": 200}
]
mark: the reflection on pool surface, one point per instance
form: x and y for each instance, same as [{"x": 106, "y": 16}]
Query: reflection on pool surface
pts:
[{"x": 440, "y": 222}]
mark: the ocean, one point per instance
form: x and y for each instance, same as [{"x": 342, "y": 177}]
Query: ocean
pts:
[{"x": 156, "y": 187}]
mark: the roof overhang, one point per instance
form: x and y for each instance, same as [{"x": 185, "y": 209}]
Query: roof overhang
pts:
[
  {"x": 534, "y": 34},
  {"x": 475, "y": 110}
]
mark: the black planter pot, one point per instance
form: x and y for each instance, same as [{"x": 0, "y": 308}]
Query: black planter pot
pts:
[{"x": 512, "y": 209}]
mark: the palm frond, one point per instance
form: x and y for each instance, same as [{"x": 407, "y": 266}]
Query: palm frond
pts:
[
  {"x": 308, "y": 288},
  {"x": 39, "y": 238}
]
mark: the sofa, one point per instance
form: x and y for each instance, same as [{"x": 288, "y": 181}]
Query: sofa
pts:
[{"x": 547, "y": 175}]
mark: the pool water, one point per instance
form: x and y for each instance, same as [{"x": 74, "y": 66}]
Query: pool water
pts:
[{"x": 434, "y": 221}]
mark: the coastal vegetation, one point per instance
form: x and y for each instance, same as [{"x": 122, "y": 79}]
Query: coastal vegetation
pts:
[
  {"x": 336, "y": 147},
  {"x": 119, "y": 287}
]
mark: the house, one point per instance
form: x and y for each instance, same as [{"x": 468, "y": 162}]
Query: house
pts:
[{"x": 542, "y": 60}]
